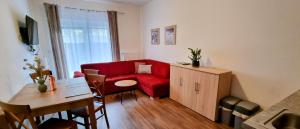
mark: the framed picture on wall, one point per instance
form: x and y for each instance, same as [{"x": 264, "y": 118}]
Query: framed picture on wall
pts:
[
  {"x": 170, "y": 35},
  {"x": 155, "y": 36}
]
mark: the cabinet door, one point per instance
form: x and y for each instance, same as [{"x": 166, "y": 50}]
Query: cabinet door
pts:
[
  {"x": 206, "y": 94},
  {"x": 176, "y": 84},
  {"x": 189, "y": 92}
]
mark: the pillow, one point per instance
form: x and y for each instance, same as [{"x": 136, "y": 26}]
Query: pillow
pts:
[
  {"x": 136, "y": 65},
  {"x": 90, "y": 71},
  {"x": 78, "y": 74},
  {"x": 145, "y": 69}
]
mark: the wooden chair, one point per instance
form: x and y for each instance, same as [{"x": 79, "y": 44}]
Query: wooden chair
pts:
[
  {"x": 90, "y": 72},
  {"x": 34, "y": 77},
  {"x": 97, "y": 88},
  {"x": 17, "y": 114}
]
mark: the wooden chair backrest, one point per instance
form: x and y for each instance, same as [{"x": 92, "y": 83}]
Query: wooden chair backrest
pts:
[
  {"x": 97, "y": 83},
  {"x": 16, "y": 114},
  {"x": 90, "y": 71},
  {"x": 34, "y": 76}
]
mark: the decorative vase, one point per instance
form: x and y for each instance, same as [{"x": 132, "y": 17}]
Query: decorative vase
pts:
[
  {"x": 195, "y": 63},
  {"x": 41, "y": 86}
]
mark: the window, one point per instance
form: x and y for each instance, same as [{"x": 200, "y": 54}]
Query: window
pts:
[
  {"x": 98, "y": 35},
  {"x": 68, "y": 33},
  {"x": 85, "y": 37}
]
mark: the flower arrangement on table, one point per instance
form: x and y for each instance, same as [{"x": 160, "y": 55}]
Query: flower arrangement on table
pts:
[{"x": 38, "y": 69}]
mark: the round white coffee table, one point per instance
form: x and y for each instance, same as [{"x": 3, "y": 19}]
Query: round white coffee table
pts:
[{"x": 127, "y": 83}]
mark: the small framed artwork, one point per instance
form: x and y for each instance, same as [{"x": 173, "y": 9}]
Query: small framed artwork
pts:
[
  {"x": 155, "y": 36},
  {"x": 170, "y": 35}
]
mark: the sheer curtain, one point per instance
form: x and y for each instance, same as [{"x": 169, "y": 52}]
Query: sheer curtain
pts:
[{"x": 86, "y": 37}]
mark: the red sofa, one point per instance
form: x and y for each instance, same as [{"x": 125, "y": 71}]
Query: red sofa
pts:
[{"x": 155, "y": 84}]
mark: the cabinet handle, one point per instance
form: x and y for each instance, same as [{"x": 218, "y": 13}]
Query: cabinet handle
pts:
[
  {"x": 180, "y": 81},
  {"x": 197, "y": 87}
]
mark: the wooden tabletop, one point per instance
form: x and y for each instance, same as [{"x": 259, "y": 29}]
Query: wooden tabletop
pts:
[
  {"x": 126, "y": 83},
  {"x": 70, "y": 94},
  {"x": 67, "y": 91}
]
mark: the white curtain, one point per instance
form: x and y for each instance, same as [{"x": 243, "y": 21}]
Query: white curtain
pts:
[{"x": 85, "y": 36}]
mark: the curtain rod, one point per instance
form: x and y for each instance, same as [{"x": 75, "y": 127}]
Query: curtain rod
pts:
[{"x": 92, "y": 10}]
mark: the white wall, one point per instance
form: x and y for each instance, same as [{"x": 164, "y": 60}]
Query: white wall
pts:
[
  {"x": 12, "y": 50},
  {"x": 258, "y": 40},
  {"x": 129, "y": 24}
]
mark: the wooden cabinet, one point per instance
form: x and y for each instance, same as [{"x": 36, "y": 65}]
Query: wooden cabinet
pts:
[{"x": 199, "y": 89}]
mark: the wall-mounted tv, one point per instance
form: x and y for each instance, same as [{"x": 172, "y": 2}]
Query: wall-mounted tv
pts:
[{"x": 29, "y": 33}]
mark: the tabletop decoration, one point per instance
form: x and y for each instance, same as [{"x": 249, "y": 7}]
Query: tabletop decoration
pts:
[
  {"x": 195, "y": 56},
  {"x": 38, "y": 68}
]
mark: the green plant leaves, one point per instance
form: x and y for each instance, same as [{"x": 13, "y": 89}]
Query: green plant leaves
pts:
[
  {"x": 195, "y": 54},
  {"x": 37, "y": 67}
]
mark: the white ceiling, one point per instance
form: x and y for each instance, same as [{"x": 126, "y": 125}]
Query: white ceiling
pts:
[{"x": 134, "y": 2}]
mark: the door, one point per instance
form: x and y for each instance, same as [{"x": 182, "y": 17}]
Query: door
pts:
[
  {"x": 176, "y": 83},
  {"x": 206, "y": 88},
  {"x": 189, "y": 93}
]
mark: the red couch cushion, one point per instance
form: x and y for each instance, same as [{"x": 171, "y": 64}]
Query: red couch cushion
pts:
[
  {"x": 111, "y": 69},
  {"x": 121, "y": 68},
  {"x": 160, "y": 69},
  {"x": 122, "y": 77},
  {"x": 151, "y": 81},
  {"x": 152, "y": 85}
]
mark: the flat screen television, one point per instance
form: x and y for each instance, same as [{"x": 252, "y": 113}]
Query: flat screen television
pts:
[{"x": 29, "y": 33}]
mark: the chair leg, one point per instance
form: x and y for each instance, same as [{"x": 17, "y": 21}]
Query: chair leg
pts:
[
  {"x": 74, "y": 127},
  {"x": 59, "y": 115},
  {"x": 86, "y": 123},
  {"x": 101, "y": 111},
  {"x": 106, "y": 119},
  {"x": 38, "y": 120}
]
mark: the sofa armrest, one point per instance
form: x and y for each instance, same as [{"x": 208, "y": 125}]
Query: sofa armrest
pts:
[{"x": 78, "y": 74}]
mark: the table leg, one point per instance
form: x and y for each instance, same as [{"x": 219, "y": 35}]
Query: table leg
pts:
[
  {"x": 121, "y": 97},
  {"x": 92, "y": 115},
  {"x": 135, "y": 95}
]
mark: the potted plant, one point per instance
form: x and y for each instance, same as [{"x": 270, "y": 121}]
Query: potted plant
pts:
[
  {"x": 38, "y": 68},
  {"x": 195, "y": 56}
]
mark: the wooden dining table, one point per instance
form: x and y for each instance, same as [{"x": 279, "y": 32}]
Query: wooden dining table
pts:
[{"x": 70, "y": 94}]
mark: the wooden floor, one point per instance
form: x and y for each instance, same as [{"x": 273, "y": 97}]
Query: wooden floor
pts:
[{"x": 152, "y": 114}]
